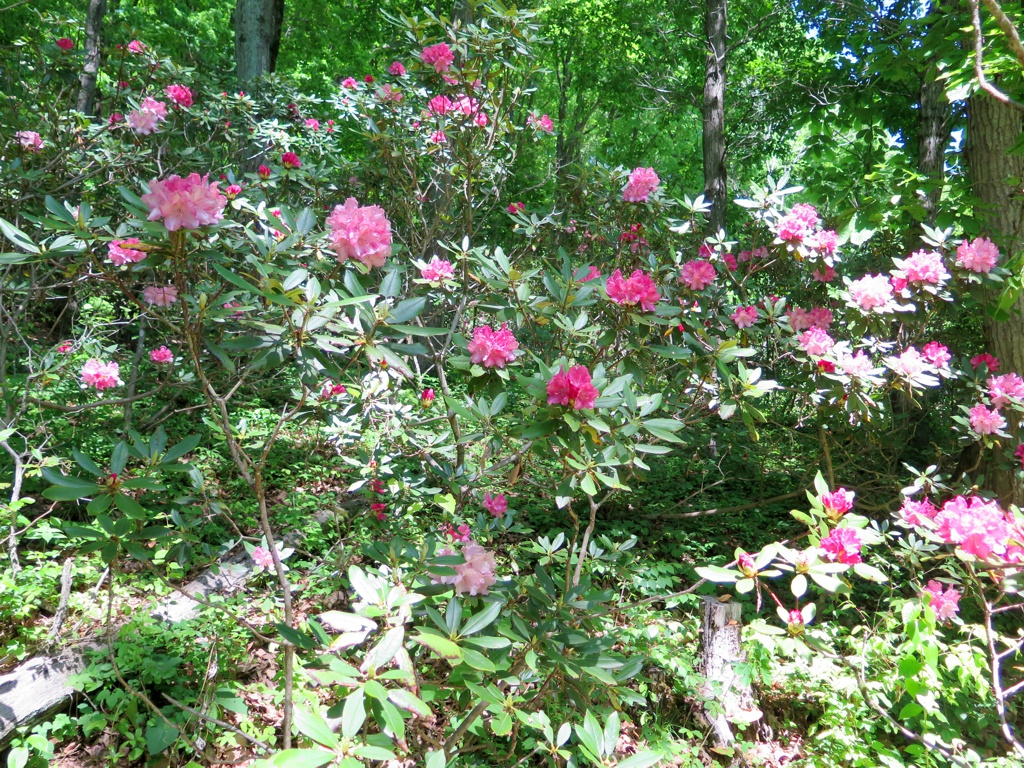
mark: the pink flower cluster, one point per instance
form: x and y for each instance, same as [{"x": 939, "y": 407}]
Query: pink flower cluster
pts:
[
  {"x": 914, "y": 512},
  {"x": 476, "y": 574},
  {"x": 96, "y": 373},
  {"x": 161, "y": 355},
  {"x": 187, "y": 203},
  {"x": 359, "y": 232},
  {"x": 262, "y": 558},
  {"x": 439, "y": 56},
  {"x": 291, "y": 160},
  {"x": 977, "y": 256},
  {"x": 842, "y": 545},
  {"x": 543, "y": 123},
  {"x": 871, "y": 292},
  {"x": 697, "y": 274},
  {"x": 816, "y": 342},
  {"x": 397, "y": 69},
  {"x": 440, "y": 105},
  {"x": 160, "y": 295},
  {"x": 838, "y": 502},
  {"x": 438, "y": 270},
  {"x": 857, "y": 365},
  {"x": 945, "y": 604},
  {"x": 824, "y": 241},
  {"x": 148, "y": 116},
  {"x": 801, "y": 320},
  {"x": 573, "y": 388},
  {"x": 493, "y": 349},
  {"x": 980, "y": 528},
  {"x": 1003, "y": 389},
  {"x": 992, "y": 363},
  {"x": 798, "y": 224},
  {"x": 497, "y": 505},
  {"x": 638, "y": 290},
  {"x": 180, "y": 95},
  {"x": 29, "y": 140},
  {"x": 923, "y": 268},
  {"x": 744, "y": 317},
  {"x": 120, "y": 254},
  {"x": 136, "y": 46},
  {"x": 937, "y": 354},
  {"x": 824, "y": 277},
  {"x": 985, "y": 421},
  {"x": 642, "y": 182}
]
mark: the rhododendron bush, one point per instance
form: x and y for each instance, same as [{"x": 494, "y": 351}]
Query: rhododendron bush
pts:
[{"x": 453, "y": 345}]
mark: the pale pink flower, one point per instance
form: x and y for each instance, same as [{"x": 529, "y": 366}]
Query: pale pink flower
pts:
[
  {"x": 798, "y": 224},
  {"x": 592, "y": 274},
  {"x": 262, "y": 558},
  {"x": 923, "y": 267},
  {"x": 913, "y": 512},
  {"x": 816, "y": 342},
  {"x": 360, "y": 232},
  {"x": 838, "y": 502},
  {"x": 476, "y": 575},
  {"x": 697, "y": 274},
  {"x": 978, "y": 256},
  {"x": 937, "y": 354},
  {"x": 985, "y": 421},
  {"x": 909, "y": 364},
  {"x": 799, "y": 319},
  {"x": 493, "y": 349},
  {"x": 160, "y": 355},
  {"x": 826, "y": 241},
  {"x": 186, "y": 203},
  {"x": 148, "y": 116},
  {"x": 467, "y": 105},
  {"x": 1002, "y": 388},
  {"x": 136, "y": 46},
  {"x": 842, "y": 545},
  {"x": 439, "y": 56},
  {"x": 440, "y": 105},
  {"x": 871, "y": 292},
  {"x": 642, "y": 182},
  {"x": 978, "y": 527},
  {"x": 29, "y": 140},
  {"x": 180, "y": 95},
  {"x": 824, "y": 277},
  {"x": 120, "y": 254},
  {"x": 160, "y": 295},
  {"x": 438, "y": 137},
  {"x": 96, "y": 373},
  {"x": 744, "y": 317},
  {"x": 639, "y": 289},
  {"x": 438, "y": 270},
  {"x": 858, "y": 365},
  {"x": 397, "y": 69},
  {"x": 390, "y": 94},
  {"x": 945, "y": 604},
  {"x": 992, "y": 363},
  {"x": 820, "y": 317},
  {"x": 497, "y": 505},
  {"x": 573, "y": 388}
]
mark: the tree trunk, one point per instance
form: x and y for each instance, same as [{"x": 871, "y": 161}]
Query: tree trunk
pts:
[
  {"x": 93, "y": 53},
  {"x": 933, "y": 135},
  {"x": 992, "y": 129},
  {"x": 715, "y": 19},
  {"x": 257, "y": 37}
]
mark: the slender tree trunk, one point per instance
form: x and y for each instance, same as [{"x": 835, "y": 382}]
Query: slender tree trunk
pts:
[
  {"x": 715, "y": 21},
  {"x": 93, "y": 53},
  {"x": 992, "y": 129},
  {"x": 933, "y": 123},
  {"x": 257, "y": 37}
]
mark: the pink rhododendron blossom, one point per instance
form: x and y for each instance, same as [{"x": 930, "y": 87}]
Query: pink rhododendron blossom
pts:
[
  {"x": 642, "y": 182},
  {"x": 480, "y": 119},
  {"x": 359, "y": 232},
  {"x": 160, "y": 295},
  {"x": 945, "y": 604},
  {"x": 871, "y": 292},
  {"x": 262, "y": 558},
  {"x": 440, "y": 105},
  {"x": 291, "y": 160},
  {"x": 476, "y": 575},
  {"x": 826, "y": 366},
  {"x": 232, "y": 191},
  {"x": 744, "y": 317},
  {"x": 1018, "y": 452},
  {"x": 160, "y": 355},
  {"x": 913, "y": 512},
  {"x": 746, "y": 564},
  {"x": 397, "y": 69},
  {"x": 65, "y": 347},
  {"x": 136, "y": 46},
  {"x": 992, "y": 363},
  {"x": 924, "y": 267},
  {"x": 119, "y": 252},
  {"x": 438, "y": 270},
  {"x": 985, "y": 421},
  {"x": 148, "y": 116},
  {"x": 824, "y": 277},
  {"x": 978, "y": 256},
  {"x": 543, "y": 123},
  {"x": 390, "y": 94},
  {"x": 697, "y": 274},
  {"x": 826, "y": 241},
  {"x": 29, "y": 140},
  {"x": 798, "y": 224},
  {"x": 186, "y": 203},
  {"x": 65, "y": 43},
  {"x": 467, "y": 105},
  {"x": 349, "y": 83},
  {"x": 978, "y": 527},
  {"x": 937, "y": 354},
  {"x": 909, "y": 364},
  {"x": 313, "y": 124},
  {"x": 799, "y": 319},
  {"x": 573, "y": 388},
  {"x": 842, "y": 545},
  {"x": 745, "y": 256},
  {"x": 264, "y": 172},
  {"x": 497, "y": 505},
  {"x": 1001, "y": 389},
  {"x": 180, "y": 95},
  {"x": 427, "y": 398},
  {"x": 493, "y": 349},
  {"x": 439, "y": 56},
  {"x": 438, "y": 137},
  {"x": 592, "y": 274},
  {"x": 638, "y": 290},
  {"x": 816, "y": 342},
  {"x": 858, "y": 365},
  {"x": 838, "y": 502},
  {"x": 795, "y": 624},
  {"x": 96, "y": 373},
  {"x": 820, "y": 317},
  {"x": 368, "y": 79},
  {"x": 730, "y": 262},
  {"x": 448, "y": 552},
  {"x": 515, "y": 208}
]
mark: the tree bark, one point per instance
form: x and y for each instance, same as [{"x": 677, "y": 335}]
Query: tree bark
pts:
[
  {"x": 992, "y": 129},
  {"x": 933, "y": 136},
  {"x": 257, "y": 37},
  {"x": 715, "y": 21},
  {"x": 93, "y": 54}
]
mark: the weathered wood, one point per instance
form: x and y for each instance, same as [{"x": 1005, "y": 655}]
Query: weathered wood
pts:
[
  {"x": 40, "y": 686},
  {"x": 721, "y": 649}
]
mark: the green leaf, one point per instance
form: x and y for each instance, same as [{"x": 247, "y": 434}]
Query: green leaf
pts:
[
  {"x": 408, "y": 701},
  {"x": 643, "y": 759},
  {"x": 717, "y": 574},
  {"x": 130, "y": 507},
  {"x": 477, "y": 660},
  {"x": 436, "y": 760},
  {"x": 370, "y": 752},
  {"x": 16, "y": 236},
  {"x": 869, "y": 572},
  {"x": 442, "y": 646},
  {"x": 297, "y": 758},
  {"x": 178, "y": 450},
  {"x": 406, "y": 310},
  {"x": 86, "y": 463},
  {"x": 353, "y": 714},
  {"x": 311, "y": 724},
  {"x": 481, "y": 619},
  {"x": 159, "y": 736}
]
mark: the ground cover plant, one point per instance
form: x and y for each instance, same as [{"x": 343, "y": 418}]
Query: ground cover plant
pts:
[{"x": 488, "y": 419}]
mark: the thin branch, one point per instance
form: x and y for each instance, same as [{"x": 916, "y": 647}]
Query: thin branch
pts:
[
  {"x": 1009, "y": 29},
  {"x": 979, "y": 68}
]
